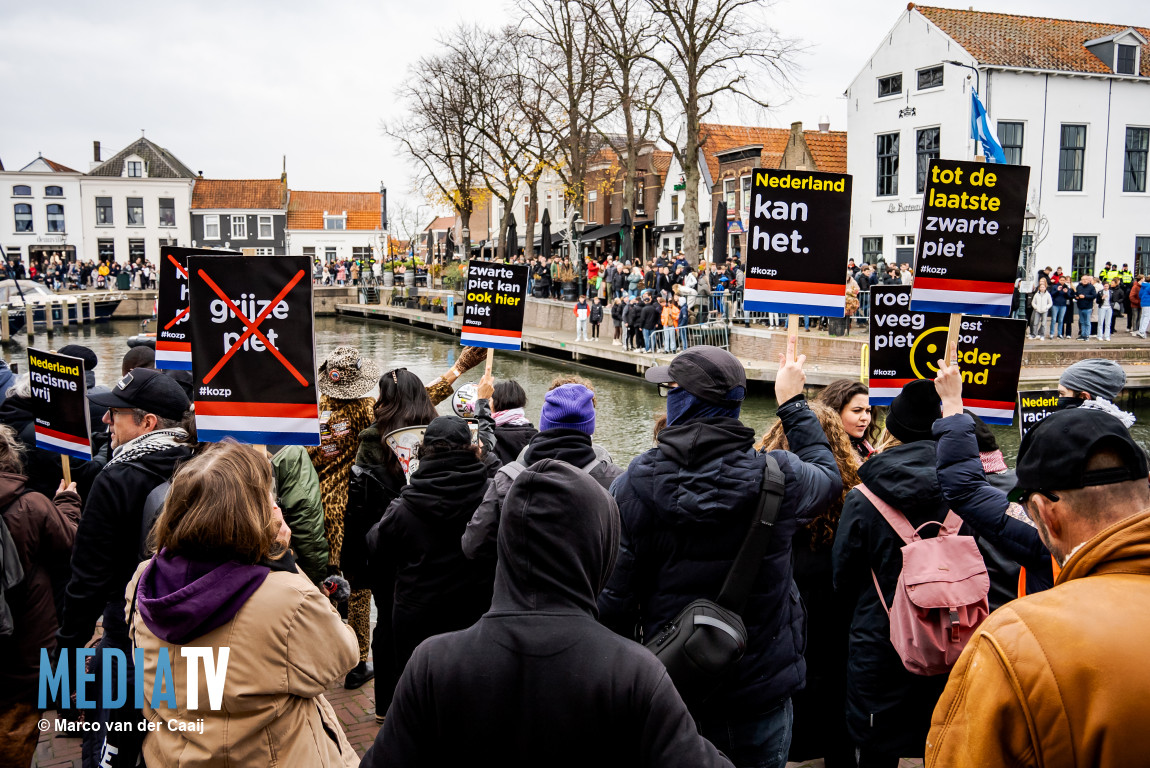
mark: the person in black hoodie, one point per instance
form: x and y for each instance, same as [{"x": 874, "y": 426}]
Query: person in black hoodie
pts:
[
  {"x": 888, "y": 707},
  {"x": 537, "y": 681},
  {"x": 686, "y": 506},
  {"x": 416, "y": 544},
  {"x": 568, "y": 422},
  {"x": 512, "y": 429},
  {"x": 632, "y": 318},
  {"x": 649, "y": 321}
]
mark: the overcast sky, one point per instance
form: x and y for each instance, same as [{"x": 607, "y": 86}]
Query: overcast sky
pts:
[{"x": 230, "y": 87}]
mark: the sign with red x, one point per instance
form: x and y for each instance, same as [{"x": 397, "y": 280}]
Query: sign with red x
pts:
[
  {"x": 173, "y": 341},
  {"x": 253, "y": 350}
]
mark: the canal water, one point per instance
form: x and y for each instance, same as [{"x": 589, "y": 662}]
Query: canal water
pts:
[{"x": 627, "y": 406}]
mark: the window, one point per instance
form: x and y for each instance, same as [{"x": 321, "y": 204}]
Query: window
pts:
[
  {"x": 103, "y": 211},
  {"x": 23, "y": 217},
  {"x": 106, "y": 249},
  {"x": 891, "y": 85},
  {"x": 53, "y": 191},
  {"x": 1071, "y": 158},
  {"x": 678, "y": 244},
  {"x": 56, "y": 218},
  {"x": 731, "y": 195},
  {"x": 674, "y": 207},
  {"x": 926, "y": 150},
  {"x": 266, "y": 230},
  {"x": 240, "y": 227},
  {"x": 746, "y": 195},
  {"x": 167, "y": 212},
  {"x": 135, "y": 211},
  {"x": 329, "y": 255},
  {"x": 265, "y": 251},
  {"x": 1141, "y": 255},
  {"x": 309, "y": 251},
  {"x": 212, "y": 226},
  {"x": 1134, "y": 169},
  {"x": 361, "y": 253},
  {"x": 334, "y": 222},
  {"x": 135, "y": 168},
  {"x": 887, "y": 165},
  {"x": 1082, "y": 258},
  {"x": 871, "y": 249},
  {"x": 135, "y": 249},
  {"x": 930, "y": 78},
  {"x": 21, "y": 190},
  {"x": 1127, "y": 60},
  {"x": 1010, "y": 137}
]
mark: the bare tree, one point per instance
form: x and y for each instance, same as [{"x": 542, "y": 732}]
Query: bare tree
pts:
[
  {"x": 710, "y": 49},
  {"x": 404, "y": 221},
  {"x": 438, "y": 132}
]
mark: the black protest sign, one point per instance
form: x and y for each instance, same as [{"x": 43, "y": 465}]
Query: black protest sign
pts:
[
  {"x": 1034, "y": 405},
  {"x": 253, "y": 351},
  {"x": 969, "y": 237},
  {"x": 990, "y": 356},
  {"x": 60, "y": 404},
  {"x": 496, "y": 301},
  {"x": 904, "y": 345},
  {"x": 173, "y": 347},
  {"x": 797, "y": 244}
]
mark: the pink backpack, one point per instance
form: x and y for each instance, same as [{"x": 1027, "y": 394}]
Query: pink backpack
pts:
[{"x": 941, "y": 594}]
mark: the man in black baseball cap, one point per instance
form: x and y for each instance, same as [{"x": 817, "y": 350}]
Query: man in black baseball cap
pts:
[
  {"x": 1072, "y": 657},
  {"x": 143, "y": 399}
]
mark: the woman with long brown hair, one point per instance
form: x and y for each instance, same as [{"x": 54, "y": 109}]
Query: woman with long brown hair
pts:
[
  {"x": 850, "y": 399},
  {"x": 223, "y": 577},
  {"x": 819, "y": 726}
]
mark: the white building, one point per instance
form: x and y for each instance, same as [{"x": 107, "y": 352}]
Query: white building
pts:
[
  {"x": 1070, "y": 99},
  {"x": 44, "y": 213},
  {"x": 336, "y": 226},
  {"x": 134, "y": 202}
]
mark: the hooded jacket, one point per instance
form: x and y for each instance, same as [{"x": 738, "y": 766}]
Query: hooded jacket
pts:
[
  {"x": 108, "y": 543},
  {"x": 880, "y": 691},
  {"x": 287, "y": 644},
  {"x": 297, "y": 485},
  {"x": 537, "y": 681},
  {"x": 649, "y": 316},
  {"x": 686, "y": 506},
  {"x": 1058, "y": 678},
  {"x": 511, "y": 439},
  {"x": 42, "y": 532},
  {"x": 569, "y": 445}
]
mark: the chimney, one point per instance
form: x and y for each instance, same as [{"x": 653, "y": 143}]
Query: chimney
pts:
[
  {"x": 96, "y": 152},
  {"x": 824, "y": 124}
]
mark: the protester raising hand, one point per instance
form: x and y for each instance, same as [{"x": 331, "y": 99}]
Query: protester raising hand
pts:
[
  {"x": 791, "y": 377},
  {"x": 486, "y": 387},
  {"x": 948, "y": 384}
]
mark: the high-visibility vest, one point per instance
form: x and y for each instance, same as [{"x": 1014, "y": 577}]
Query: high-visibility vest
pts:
[
  {"x": 1055, "y": 569},
  {"x": 1126, "y": 276}
]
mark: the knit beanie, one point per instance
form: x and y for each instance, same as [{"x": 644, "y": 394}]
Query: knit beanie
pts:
[
  {"x": 914, "y": 411},
  {"x": 568, "y": 407},
  {"x": 1101, "y": 378}
]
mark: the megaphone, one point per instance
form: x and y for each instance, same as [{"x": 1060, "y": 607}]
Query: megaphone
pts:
[{"x": 402, "y": 443}]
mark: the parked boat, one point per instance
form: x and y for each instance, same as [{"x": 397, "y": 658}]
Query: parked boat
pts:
[{"x": 15, "y": 292}]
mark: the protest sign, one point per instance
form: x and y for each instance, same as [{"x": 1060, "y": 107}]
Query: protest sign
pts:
[
  {"x": 969, "y": 237},
  {"x": 990, "y": 355},
  {"x": 797, "y": 245},
  {"x": 493, "y": 311},
  {"x": 60, "y": 404},
  {"x": 173, "y": 347},
  {"x": 1034, "y": 405},
  {"x": 904, "y": 345},
  {"x": 253, "y": 349}
]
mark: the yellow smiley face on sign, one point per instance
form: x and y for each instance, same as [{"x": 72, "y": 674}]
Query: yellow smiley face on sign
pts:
[{"x": 927, "y": 350}]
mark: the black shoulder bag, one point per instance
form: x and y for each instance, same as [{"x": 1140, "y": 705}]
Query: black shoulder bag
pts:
[{"x": 705, "y": 641}]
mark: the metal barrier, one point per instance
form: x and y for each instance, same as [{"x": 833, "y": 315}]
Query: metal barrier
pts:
[{"x": 671, "y": 340}]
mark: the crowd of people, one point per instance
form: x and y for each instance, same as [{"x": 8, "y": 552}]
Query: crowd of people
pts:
[
  {"x": 58, "y": 273},
  {"x": 915, "y": 596},
  {"x": 1096, "y": 302}
]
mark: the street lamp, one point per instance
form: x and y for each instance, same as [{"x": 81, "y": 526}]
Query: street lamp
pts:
[
  {"x": 466, "y": 234},
  {"x": 977, "y": 74},
  {"x": 578, "y": 226}
]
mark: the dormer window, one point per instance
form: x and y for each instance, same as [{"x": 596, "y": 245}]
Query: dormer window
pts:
[
  {"x": 334, "y": 221},
  {"x": 134, "y": 169},
  {"x": 1127, "y": 62}
]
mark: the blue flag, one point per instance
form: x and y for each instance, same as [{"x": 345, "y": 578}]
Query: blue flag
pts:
[{"x": 980, "y": 131}]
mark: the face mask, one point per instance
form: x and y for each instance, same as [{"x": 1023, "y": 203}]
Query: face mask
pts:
[{"x": 1069, "y": 402}]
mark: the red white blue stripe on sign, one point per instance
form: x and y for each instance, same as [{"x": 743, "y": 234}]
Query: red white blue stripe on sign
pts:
[
  {"x": 883, "y": 391},
  {"x": 991, "y": 411},
  {"x": 70, "y": 445},
  {"x": 968, "y": 297},
  {"x": 795, "y": 298},
  {"x": 491, "y": 338},
  {"x": 174, "y": 355},
  {"x": 258, "y": 423}
]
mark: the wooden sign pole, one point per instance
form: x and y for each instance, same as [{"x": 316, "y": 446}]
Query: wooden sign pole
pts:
[
  {"x": 66, "y": 465},
  {"x": 490, "y": 361}
]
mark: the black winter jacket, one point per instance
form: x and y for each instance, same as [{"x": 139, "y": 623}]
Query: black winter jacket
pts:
[
  {"x": 511, "y": 439},
  {"x": 537, "y": 681},
  {"x": 44, "y": 468},
  {"x": 649, "y": 318},
  {"x": 617, "y": 313},
  {"x": 983, "y": 507},
  {"x": 632, "y": 315},
  {"x": 888, "y": 707},
  {"x": 107, "y": 546},
  {"x": 686, "y": 506},
  {"x": 596, "y": 313}
]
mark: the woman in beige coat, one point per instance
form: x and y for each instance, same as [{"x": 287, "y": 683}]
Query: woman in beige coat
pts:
[{"x": 223, "y": 578}]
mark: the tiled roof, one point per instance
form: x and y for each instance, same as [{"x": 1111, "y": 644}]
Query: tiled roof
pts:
[
  {"x": 305, "y": 209},
  {"x": 1029, "y": 42},
  {"x": 661, "y": 161},
  {"x": 720, "y": 138},
  {"x": 159, "y": 162},
  {"x": 59, "y": 167},
  {"x": 829, "y": 150},
  {"x": 261, "y": 194},
  {"x": 443, "y": 222}
]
